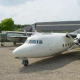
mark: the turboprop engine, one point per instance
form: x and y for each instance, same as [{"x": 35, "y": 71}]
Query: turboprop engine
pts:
[{"x": 75, "y": 40}]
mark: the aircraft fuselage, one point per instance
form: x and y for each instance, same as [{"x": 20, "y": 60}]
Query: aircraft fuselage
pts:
[{"x": 42, "y": 45}]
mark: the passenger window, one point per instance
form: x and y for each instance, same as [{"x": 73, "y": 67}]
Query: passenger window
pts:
[
  {"x": 40, "y": 42},
  {"x": 68, "y": 44},
  {"x": 63, "y": 45}
]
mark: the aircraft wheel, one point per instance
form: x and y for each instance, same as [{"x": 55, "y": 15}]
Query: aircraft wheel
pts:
[
  {"x": 2, "y": 44},
  {"x": 25, "y": 62},
  {"x": 14, "y": 43}
]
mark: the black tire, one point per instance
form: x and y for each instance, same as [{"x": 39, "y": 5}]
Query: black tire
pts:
[
  {"x": 14, "y": 43},
  {"x": 25, "y": 62},
  {"x": 2, "y": 44}
]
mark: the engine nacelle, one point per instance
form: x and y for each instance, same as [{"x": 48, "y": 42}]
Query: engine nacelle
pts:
[{"x": 76, "y": 41}]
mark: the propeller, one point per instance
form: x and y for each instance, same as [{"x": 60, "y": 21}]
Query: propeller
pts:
[{"x": 75, "y": 41}]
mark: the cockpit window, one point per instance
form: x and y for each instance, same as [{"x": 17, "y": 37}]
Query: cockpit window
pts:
[
  {"x": 40, "y": 42},
  {"x": 32, "y": 41}
]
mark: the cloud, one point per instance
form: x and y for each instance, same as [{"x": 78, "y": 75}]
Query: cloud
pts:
[
  {"x": 77, "y": 1},
  {"x": 42, "y": 11},
  {"x": 13, "y": 2}
]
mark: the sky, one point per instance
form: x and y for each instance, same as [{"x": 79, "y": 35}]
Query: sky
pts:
[{"x": 32, "y": 11}]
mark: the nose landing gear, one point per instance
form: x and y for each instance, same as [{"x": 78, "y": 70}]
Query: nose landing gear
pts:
[{"x": 25, "y": 62}]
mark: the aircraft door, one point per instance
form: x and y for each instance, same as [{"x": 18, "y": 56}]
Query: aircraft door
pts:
[{"x": 50, "y": 45}]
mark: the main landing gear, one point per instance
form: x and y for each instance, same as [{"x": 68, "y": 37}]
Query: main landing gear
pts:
[
  {"x": 2, "y": 43},
  {"x": 14, "y": 43},
  {"x": 25, "y": 62}
]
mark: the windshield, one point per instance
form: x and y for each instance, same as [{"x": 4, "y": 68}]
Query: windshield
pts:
[
  {"x": 32, "y": 42},
  {"x": 40, "y": 41}
]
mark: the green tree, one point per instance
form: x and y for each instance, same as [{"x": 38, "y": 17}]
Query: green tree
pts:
[{"x": 7, "y": 24}]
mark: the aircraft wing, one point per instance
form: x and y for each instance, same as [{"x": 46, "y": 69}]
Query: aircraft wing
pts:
[
  {"x": 18, "y": 36},
  {"x": 69, "y": 35},
  {"x": 74, "y": 34}
]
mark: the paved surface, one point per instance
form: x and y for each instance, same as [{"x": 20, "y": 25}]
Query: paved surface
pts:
[{"x": 59, "y": 67}]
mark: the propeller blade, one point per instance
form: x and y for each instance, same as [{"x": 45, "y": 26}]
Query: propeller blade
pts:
[
  {"x": 79, "y": 44},
  {"x": 70, "y": 47},
  {"x": 70, "y": 36}
]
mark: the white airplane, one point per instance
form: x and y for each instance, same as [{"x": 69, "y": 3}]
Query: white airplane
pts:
[{"x": 43, "y": 45}]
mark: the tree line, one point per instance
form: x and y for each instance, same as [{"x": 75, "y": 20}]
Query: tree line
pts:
[{"x": 8, "y": 25}]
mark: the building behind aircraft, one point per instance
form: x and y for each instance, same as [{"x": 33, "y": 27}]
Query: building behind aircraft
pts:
[{"x": 61, "y": 26}]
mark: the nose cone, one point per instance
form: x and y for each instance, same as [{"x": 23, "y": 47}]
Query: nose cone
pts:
[
  {"x": 24, "y": 51},
  {"x": 17, "y": 52}
]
